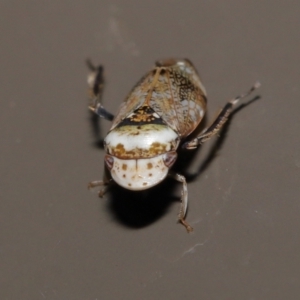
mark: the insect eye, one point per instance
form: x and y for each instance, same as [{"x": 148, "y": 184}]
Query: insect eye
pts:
[
  {"x": 169, "y": 158},
  {"x": 109, "y": 160}
]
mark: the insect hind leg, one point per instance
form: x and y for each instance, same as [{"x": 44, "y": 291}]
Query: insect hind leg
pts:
[{"x": 221, "y": 119}]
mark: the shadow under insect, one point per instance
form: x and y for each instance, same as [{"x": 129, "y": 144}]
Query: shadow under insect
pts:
[{"x": 139, "y": 209}]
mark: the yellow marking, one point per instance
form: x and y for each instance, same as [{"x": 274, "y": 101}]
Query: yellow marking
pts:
[
  {"x": 142, "y": 117},
  {"x": 155, "y": 149}
]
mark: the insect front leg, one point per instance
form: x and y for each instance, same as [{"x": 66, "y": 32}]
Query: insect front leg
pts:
[
  {"x": 104, "y": 184},
  {"x": 101, "y": 183},
  {"x": 184, "y": 201},
  {"x": 96, "y": 84},
  {"x": 215, "y": 127}
]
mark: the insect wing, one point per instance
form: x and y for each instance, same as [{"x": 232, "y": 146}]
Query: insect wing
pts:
[
  {"x": 174, "y": 92},
  {"x": 162, "y": 101},
  {"x": 191, "y": 99},
  {"x": 179, "y": 97},
  {"x": 135, "y": 98}
]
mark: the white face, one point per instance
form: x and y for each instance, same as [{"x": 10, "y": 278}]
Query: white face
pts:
[
  {"x": 140, "y": 157},
  {"x": 140, "y": 174}
]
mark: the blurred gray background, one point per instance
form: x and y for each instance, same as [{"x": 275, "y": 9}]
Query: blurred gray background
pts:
[{"x": 60, "y": 241}]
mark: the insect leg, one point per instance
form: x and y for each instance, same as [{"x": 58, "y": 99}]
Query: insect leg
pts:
[
  {"x": 101, "y": 111},
  {"x": 184, "y": 201},
  {"x": 215, "y": 127},
  {"x": 96, "y": 84},
  {"x": 101, "y": 183}
]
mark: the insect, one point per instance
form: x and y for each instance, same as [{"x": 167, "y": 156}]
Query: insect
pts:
[{"x": 156, "y": 118}]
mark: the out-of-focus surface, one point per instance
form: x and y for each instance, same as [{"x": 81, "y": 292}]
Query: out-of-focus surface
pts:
[{"x": 59, "y": 241}]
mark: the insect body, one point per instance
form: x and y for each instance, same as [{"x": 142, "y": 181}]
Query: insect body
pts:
[{"x": 163, "y": 109}]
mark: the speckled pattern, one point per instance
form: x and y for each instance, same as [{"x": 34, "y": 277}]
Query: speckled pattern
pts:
[{"x": 174, "y": 91}]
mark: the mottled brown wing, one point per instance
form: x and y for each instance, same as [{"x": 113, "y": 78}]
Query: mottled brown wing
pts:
[
  {"x": 179, "y": 96},
  {"x": 135, "y": 98},
  {"x": 162, "y": 100}
]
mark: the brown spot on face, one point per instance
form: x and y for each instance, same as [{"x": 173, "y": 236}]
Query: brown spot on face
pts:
[
  {"x": 124, "y": 167},
  {"x": 119, "y": 150},
  {"x": 145, "y": 183},
  {"x": 129, "y": 184},
  {"x": 157, "y": 148},
  {"x": 124, "y": 175},
  {"x": 149, "y": 166},
  {"x": 150, "y": 174}
]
